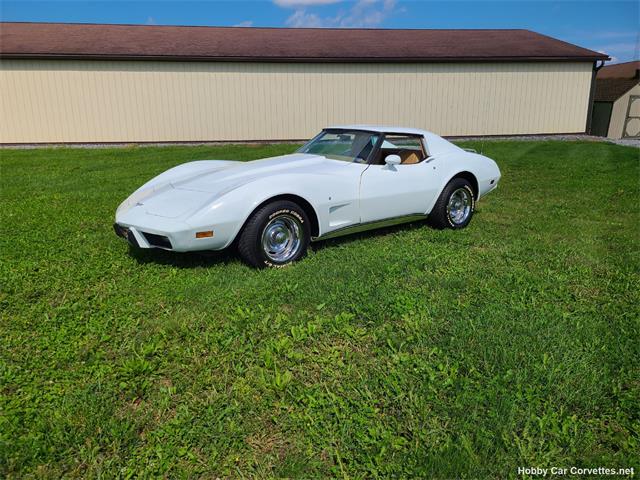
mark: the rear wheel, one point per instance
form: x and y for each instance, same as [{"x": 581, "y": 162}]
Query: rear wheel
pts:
[
  {"x": 455, "y": 205},
  {"x": 275, "y": 235}
]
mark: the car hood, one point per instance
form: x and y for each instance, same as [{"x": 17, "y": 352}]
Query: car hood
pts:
[
  {"x": 217, "y": 179},
  {"x": 185, "y": 192}
]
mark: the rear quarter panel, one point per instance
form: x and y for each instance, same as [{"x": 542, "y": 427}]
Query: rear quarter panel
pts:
[{"x": 452, "y": 164}]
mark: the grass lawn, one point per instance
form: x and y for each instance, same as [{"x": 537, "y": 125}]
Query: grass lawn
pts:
[{"x": 406, "y": 352}]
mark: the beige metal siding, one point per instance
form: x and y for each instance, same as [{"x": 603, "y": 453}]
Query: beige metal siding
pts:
[
  {"x": 619, "y": 113},
  {"x": 128, "y": 101}
]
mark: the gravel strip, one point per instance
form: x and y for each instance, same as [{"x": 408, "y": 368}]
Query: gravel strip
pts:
[{"x": 523, "y": 138}]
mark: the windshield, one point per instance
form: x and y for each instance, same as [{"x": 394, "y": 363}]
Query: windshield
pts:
[{"x": 345, "y": 145}]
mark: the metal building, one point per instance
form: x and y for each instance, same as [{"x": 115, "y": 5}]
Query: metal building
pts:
[{"x": 124, "y": 83}]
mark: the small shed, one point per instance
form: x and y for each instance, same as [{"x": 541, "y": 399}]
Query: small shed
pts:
[{"x": 616, "y": 107}]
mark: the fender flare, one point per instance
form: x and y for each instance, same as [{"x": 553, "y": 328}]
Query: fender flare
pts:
[{"x": 304, "y": 203}]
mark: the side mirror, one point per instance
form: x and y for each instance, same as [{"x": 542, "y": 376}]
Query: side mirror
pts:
[{"x": 392, "y": 160}]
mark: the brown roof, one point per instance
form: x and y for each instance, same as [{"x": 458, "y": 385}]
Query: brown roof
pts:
[
  {"x": 610, "y": 89},
  {"x": 620, "y": 70},
  {"x": 57, "y": 40}
]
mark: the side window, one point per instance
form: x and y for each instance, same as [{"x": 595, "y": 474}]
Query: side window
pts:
[{"x": 410, "y": 149}]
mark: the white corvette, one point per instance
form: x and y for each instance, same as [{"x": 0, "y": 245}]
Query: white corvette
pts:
[{"x": 346, "y": 179}]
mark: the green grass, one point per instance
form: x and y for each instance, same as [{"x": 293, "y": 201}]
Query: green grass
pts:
[{"x": 405, "y": 352}]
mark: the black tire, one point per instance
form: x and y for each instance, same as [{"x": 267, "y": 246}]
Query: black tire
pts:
[
  {"x": 283, "y": 219},
  {"x": 441, "y": 217}
]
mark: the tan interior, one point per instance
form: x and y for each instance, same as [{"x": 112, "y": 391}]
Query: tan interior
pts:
[{"x": 409, "y": 158}]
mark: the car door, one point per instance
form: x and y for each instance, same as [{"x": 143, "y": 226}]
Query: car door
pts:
[{"x": 389, "y": 191}]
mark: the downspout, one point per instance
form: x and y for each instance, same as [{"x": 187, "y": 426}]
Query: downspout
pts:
[{"x": 592, "y": 93}]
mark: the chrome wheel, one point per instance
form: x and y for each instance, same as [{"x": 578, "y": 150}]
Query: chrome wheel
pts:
[
  {"x": 459, "y": 206},
  {"x": 281, "y": 238}
]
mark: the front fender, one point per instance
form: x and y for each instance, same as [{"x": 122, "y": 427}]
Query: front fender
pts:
[{"x": 234, "y": 207}]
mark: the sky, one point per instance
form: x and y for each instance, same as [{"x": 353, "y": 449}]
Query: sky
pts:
[{"x": 606, "y": 26}]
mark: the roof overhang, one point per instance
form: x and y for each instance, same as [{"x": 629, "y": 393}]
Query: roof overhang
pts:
[{"x": 58, "y": 41}]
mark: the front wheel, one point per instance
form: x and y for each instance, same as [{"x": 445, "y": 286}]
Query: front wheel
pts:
[
  {"x": 455, "y": 205},
  {"x": 275, "y": 235}
]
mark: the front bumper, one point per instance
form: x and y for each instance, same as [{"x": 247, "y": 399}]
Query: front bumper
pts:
[
  {"x": 143, "y": 230},
  {"x": 141, "y": 239},
  {"x": 175, "y": 237}
]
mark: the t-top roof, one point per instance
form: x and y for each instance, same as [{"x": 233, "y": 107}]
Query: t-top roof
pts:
[
  {"x": 152, "y": 42},
  {"x": 435, "y": 143}
]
